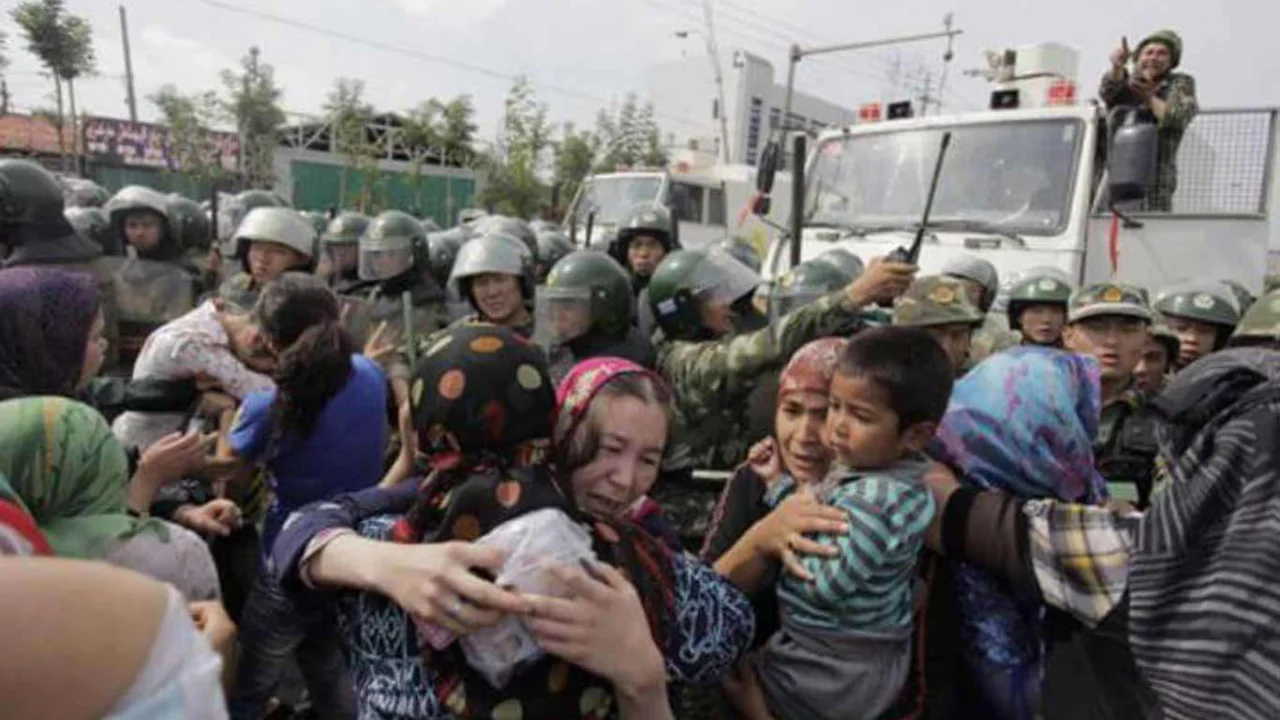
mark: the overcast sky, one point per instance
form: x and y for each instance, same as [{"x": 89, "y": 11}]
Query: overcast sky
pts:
[{"x": 586, "y": 54}]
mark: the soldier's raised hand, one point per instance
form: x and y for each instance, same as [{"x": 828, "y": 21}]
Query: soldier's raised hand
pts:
[
  {"x": 883, "y": 281},
  {"x": 1120, "y": 55}
]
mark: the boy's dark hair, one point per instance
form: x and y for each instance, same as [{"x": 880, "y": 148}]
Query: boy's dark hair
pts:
[
  {"x": 909, "y": 365},
  {"x": 300, "y": 315}
]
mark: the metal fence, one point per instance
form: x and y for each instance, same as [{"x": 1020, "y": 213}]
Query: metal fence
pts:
[{"x": 1225, "y": 163}]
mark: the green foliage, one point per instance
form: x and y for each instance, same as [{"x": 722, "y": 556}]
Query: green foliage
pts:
[
  {"x": 350, "y": 118},
  {"x": 64, "y": 45},
  {"x": 253, "y": 101},
  {"x": 190, "y": 119},
  {"x": 630, "y": 137},
  {"x": 574, "y": 156},
  {"x": 513, "y": 186}
]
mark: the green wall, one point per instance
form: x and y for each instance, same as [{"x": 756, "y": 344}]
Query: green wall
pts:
[{"x": 318, "y": 186}]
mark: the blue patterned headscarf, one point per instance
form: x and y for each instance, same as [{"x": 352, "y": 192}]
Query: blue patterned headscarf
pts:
[{"x": 1023, "y": 422}]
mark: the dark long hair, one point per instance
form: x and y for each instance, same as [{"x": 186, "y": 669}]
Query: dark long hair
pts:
[{"x": 300, "y": 317}]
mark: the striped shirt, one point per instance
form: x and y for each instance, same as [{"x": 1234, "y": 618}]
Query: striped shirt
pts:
[{"x": 867, "y": 589}]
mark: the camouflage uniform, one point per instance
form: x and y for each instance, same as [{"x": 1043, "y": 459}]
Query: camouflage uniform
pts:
[
  {"x": 1178, "y": 91},
  {"x": 1125, "y": 449},
  {"x": 1260, "y": 326},
  {"x": 934, "y": 302}
]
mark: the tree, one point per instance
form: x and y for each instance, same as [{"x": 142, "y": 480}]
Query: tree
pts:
[
  {"x": 64, "y": 44},
  {"x": 4, "y": 65},
  {"x": 253, "y": 102},
  {"x": 420, "y": 136},
  {"x": 191, "y": 149},
  {"x": 574, "y": 155},
  {"x": 458, "y": 131},
  {"x": 513, "y": 186},
  {"x": 630, "y": 137},
  {"x": 349, "y": 118}
]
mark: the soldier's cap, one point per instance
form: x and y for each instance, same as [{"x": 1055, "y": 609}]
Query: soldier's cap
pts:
[
  {"x": 1108, "y": 298},
  {"x": 936, "y": 300},
  {"x": 1262, "y": 319}
]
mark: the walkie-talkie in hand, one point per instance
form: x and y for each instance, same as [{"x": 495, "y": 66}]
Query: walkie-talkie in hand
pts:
[{"x": 912, "y": 254}]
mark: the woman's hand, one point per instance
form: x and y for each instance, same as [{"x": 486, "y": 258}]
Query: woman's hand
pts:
[
  {"x": 433, "y": 582},
  {"x": 602, "y": 627},
  {"x": 216, "y": 517},
  {"x": 212, "y": 620},
  {"x": 765, "y": 461},
  {"x": 381, "y": 344},
  {"x": 175, "y": 456},
  {"x": 780, "y": 534}
]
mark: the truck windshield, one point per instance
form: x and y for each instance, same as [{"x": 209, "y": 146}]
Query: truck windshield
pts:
[
  {"x": 611, "y": 197},
  {"x": 1017, "y": 176}
]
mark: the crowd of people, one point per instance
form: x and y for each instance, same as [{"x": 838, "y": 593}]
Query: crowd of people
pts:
[{"x": 337, "y": 466}]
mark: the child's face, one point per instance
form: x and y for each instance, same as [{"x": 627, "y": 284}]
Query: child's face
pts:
[{"x": 862, "y": 429}]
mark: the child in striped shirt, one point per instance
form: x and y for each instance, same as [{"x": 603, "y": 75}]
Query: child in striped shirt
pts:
[{"x": 844, "y": 647}]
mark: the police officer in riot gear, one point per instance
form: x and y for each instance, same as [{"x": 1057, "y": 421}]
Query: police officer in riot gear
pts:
[
  {"x": 394, "y": 264},
  {"x": 190, "y": 228},
  {"x": 341, "y": 241},
  {"x": 140, "y": 226},
  {"x": 1038, "y": 308},
  {"x": 584, "y": 310},
  {"x": 514, "y": 227},
  {"x": 645, "y": 236},
  {"x": 91, "y": 224},
  {"x": 494, "y": 274},
  {"x": 33, "y": 227},
  {"x": 233, "y": 212},
  {"x": 1201, "y": 314},
  {"x": 271, "y": 241},
  {"x": 442, "y": 250},
  {"x": 470, "y": 215},
  {"x": 429, "y": 225},
  {"x": 84, "y": 193},
  {"x": 1111, "y": 322}
]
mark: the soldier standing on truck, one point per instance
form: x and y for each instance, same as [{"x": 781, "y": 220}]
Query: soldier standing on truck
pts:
[{"x": 1166, "y": 97}]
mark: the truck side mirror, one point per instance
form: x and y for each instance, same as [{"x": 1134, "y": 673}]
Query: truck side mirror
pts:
[
  {"x": 768, "y": 167},
  {"x": 1131, "y": 160}
]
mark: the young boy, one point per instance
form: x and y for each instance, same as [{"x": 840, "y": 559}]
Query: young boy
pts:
[{"x": 844, "y": 646}]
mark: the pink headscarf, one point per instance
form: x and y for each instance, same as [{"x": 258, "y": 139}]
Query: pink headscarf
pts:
[
  {"x": 579, "y": 388},
  {"x": 812, "y": 367}
]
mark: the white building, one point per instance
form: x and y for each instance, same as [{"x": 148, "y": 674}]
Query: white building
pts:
[{"x": 755, "y": 95}]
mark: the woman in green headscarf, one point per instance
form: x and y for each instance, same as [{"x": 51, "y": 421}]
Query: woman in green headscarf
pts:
[{"x": 60, "y": 462}]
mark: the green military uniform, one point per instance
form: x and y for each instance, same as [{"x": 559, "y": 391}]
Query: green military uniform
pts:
[
  {"x": 937, "y": 301},
  {"x": 1178, "y": 91},
  {"x": 1211, "y": 303},
  {"x": 1260, "y": 326},
  {"x": 1125, "y": 449}
]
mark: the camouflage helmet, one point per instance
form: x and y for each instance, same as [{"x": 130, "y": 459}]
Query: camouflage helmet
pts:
[
  {"x": 594, "y": 279},
  {"x": 496, "y": 253},
  {"x": 392, "y": 233},
  {"x": 1102, "y": 299},
  {"x": 1261, "y": 322},
  {"x": 1036, "y": 289},
  {"x": 936, "y": 300},
  {"x": 845, "y": 260},
  {"x": 190, "y": 224},
  {"x": 442, "y": 252},
  {"x": 1169, "y": 39},
  {"x": 345, "y": 229},
  {"x": 970, "y": 267},
  {"x": 90, "y": 223},
  {"x": 468, "y": 215},
  {"x": 687, "y": 278},
  {"x": 31, "y": 217},
  {"x": 742, "y": 249},
  {"x": 278, "y": 225},
  {"x": 80, "y": 192},
  {"x": 643, "y": 219},
  {"x": 805, "y": 283},
  {"x": 1207, "y": 302},
  {"x": 553, "y": 245}
]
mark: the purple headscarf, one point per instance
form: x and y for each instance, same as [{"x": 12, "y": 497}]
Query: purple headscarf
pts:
[{"x": 45, "y": 318}]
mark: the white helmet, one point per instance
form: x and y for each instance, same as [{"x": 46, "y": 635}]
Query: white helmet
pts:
[{"x": 276, "y": 225}]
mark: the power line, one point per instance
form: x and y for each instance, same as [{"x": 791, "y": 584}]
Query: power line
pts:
[{"x": 426, "y": 57}]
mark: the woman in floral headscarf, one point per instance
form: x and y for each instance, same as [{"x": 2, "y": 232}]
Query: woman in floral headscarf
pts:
[
  {"x": 1022, "y": 422},
  {"x": 486, "y": 427}
]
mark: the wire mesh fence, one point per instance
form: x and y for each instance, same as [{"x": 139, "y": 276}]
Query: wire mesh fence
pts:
[{"x": 1224, "y": 163}]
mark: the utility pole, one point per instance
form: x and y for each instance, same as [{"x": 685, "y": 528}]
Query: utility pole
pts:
[
  {"x": 714, "y": 52},
  {"x": 926, "y": 87},
  {"x": 130, "y": 98},
  {"x": 4, "y": 97}
]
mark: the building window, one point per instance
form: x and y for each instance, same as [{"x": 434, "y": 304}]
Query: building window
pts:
[
  {"x": 685, "y": 201},
  {"x": 715, "y": 207},
  {"x": 753, "y": 129}
]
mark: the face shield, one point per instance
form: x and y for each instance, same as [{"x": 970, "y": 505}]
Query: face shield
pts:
[
  {"x": 561, "y": 315},
  {"x": 720, "y": 279},
  {"x": 385, "y": 259}
]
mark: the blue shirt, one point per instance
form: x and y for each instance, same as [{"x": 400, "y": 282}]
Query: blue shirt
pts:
[{"x": 343, "y": 453}]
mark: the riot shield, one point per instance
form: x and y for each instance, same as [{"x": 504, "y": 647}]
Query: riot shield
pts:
[{"x": 147, "y": 294}]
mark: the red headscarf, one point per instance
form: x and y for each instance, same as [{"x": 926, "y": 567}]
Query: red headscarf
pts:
[{"x": 812, "y": 367}]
